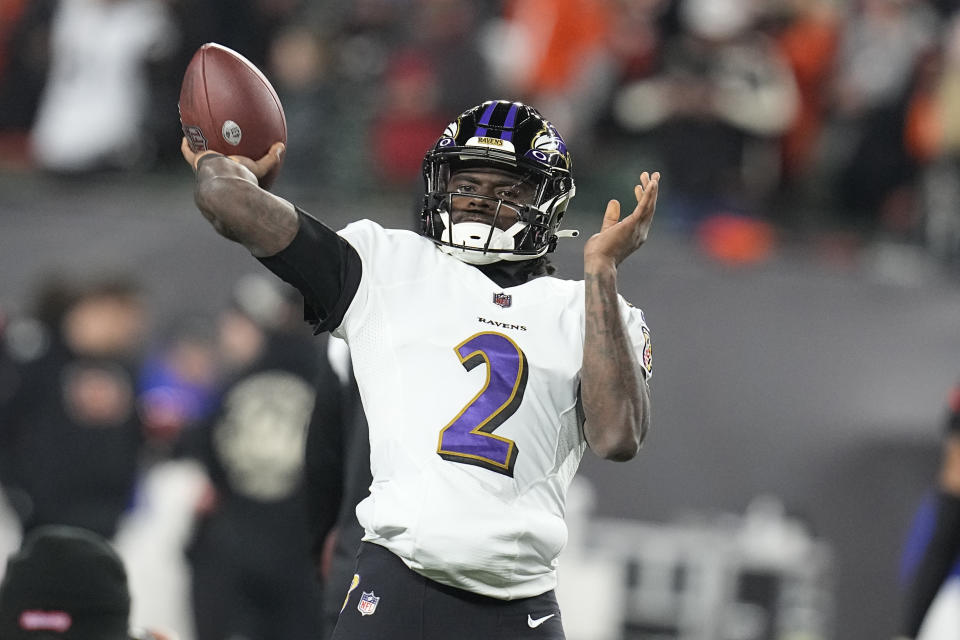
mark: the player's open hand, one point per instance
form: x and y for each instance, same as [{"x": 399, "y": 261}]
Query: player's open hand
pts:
[
  {"x": 618, "y": 238},
  {"x": 259, "y": 168}
]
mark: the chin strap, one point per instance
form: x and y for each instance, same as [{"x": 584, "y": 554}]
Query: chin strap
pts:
[{"x": 567, "y": 233}]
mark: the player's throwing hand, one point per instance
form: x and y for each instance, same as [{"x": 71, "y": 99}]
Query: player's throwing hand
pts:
[{"x": 259, "y": 168}]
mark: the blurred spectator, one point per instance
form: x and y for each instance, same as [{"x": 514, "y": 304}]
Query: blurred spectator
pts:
[
  {"x": 70, "y": 434},
  {"x": 637, "y": 36},
  {"x": 408, "y": 121},
  {"x": 178, "y": 381},
  {"x": 717, "y": 107},
  {"x": 24, "y": 60},
  {"x": 300, "y": 60},
  {"x": 247, "y": 26},
  {"x": 92, "y": 114},
  {"x": 252, "y": 576},
  {"x": 152, "y": 539},
  {"x": 932, "y": 139},
  {"x": 555, "y": 54},
  {"x": 328, "y": 61},
  {"x": 447, "y": 33},
  {"x": 67, "y": 582},
  {"x": 864, "y": 157},
  {"x": 437, "y": 68},
  {"x": 807, "y": 34},
  {"x": 10, "y": 13},
  {"x": 879, "y": 47}
]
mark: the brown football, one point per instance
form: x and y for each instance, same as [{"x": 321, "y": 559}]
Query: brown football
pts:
[{"x": 228, "y": 105}]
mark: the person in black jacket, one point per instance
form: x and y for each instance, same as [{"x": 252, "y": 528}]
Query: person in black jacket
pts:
[
  {"x": 250, "y": 557},
  {"x": 70, "y": 436}
]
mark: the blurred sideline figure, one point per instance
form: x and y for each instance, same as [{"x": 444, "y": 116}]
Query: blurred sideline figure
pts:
[
  {"x": 92, "y": 113},
  {"x": 70, "y": 436},
  {"x": 179, "y": 381},
  {"x": 722, "y": 85},
  {"x": 250, "y": 554},
  {"x": 557, "y": 54},
  {"x": 67, "y": 582},
  {"x": 881, "y": 51},
  {"x": 178, "y": 386},
  {"x": 934, "y": 545}
]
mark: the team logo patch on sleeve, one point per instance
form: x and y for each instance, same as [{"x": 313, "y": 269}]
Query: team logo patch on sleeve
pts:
[
  {"x": 647, "y": 351},
  {"x": 502, "y": 300},
  {"x": 368, "y": 603}
]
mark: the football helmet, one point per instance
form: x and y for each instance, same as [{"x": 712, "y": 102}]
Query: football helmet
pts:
[{"x": 511, "y": 137}]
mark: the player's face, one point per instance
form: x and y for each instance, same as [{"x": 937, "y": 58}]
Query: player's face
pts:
[{"x": 476, "y": 192}]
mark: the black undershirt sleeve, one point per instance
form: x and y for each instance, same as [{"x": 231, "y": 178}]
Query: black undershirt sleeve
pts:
[
  {"x": 938, "y": 559},
  {"x": 324, "y": 267}
]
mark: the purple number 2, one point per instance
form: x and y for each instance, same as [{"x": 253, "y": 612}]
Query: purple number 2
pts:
[{"x": 469, "y": 437}]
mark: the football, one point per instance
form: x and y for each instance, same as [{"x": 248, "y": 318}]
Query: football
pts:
[{"x": 228, "y": 105}]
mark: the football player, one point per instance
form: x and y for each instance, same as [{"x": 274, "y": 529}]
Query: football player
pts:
[{"x": 483, "y": 377}]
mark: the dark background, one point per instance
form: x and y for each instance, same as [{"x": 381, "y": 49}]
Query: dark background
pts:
[
  {"x": 821, "y": 384},
  {"x": 816, "y": 370}
]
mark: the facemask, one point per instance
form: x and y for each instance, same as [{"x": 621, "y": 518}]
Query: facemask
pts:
[{"x": 471, "y": 238}]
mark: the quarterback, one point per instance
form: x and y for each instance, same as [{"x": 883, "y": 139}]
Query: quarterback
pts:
[{"x": 483, "y": 377}]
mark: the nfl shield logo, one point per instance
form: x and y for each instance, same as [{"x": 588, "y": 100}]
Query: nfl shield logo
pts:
[
  {"x": 196, "y": 138},
  {"x": 502, "y": 299},
  {"x": 368, "y": 603}
]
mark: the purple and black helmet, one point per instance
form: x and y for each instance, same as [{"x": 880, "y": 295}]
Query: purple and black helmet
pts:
[{"x": 512, "y": 137}]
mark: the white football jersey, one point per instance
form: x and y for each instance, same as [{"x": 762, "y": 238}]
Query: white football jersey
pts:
[{"x": 470, "y": 391}]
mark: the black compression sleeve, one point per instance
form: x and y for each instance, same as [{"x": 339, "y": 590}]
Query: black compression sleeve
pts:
[
  {"x": 938, "y": 559},
  {"x": 324, "y": 267}
]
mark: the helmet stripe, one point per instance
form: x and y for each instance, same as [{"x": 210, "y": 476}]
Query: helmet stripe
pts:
[
  {"x": 508, "y": 123},
  {"x": 485, "y": 119}
]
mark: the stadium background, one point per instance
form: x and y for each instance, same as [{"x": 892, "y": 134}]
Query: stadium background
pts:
[{"x": 811, "y": 362}]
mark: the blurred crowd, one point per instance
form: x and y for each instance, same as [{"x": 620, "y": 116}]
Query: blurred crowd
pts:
[
  {"x": 183, "y": 445},
  {"x": 769, "y": 119},
  {"x": 787, "y": 116}
]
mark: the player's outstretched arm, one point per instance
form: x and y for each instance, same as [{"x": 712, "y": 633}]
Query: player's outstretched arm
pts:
[
  {"x": 228, "y": 195},
  {"x": 616, "y": 401}
]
